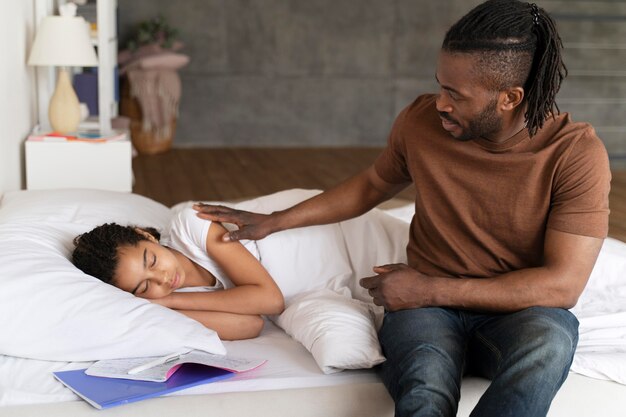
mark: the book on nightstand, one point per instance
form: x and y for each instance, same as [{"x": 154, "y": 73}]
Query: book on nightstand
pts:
[
  {"x": 88, "y": 132},
  {"x": 87, "y": 135}
]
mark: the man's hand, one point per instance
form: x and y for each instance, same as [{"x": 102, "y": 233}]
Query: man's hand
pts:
[
  {"x": 398, "y": 287},
  {"x": 252, "y": 226}
]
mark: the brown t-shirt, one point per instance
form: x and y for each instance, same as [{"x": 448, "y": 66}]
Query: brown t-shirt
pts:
[{"x": 482, "y": 208}]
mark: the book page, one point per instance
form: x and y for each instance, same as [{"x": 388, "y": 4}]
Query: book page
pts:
[
  {"x": 118, "y": 368},
  {"x": 226, "y": 362},
  {"x": 165, "y": 366}
]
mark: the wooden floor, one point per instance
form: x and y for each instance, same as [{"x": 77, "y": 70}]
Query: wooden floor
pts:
[{"x": 238, "y": 173}]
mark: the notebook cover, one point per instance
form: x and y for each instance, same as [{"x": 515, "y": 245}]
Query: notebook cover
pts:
[{"x": 109, "y": 392}]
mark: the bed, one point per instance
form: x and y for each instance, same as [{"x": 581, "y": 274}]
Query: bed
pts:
[{"x": 56, "y": 318}]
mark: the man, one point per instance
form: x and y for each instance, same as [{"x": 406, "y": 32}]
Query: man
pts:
[{"x": 511, "y": 211}]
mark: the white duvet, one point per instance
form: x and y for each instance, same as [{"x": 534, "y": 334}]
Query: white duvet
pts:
[{"x": 601, "y": 311}]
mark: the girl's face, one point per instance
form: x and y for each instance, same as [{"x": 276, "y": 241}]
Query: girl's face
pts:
[{"x": 148, "y": 270}]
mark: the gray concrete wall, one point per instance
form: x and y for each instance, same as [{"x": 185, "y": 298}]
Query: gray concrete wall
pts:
[
  {"x": 336, "y": 72},
  {"x": 299, "y": 72},
  {"x": 594, "y": 36}
]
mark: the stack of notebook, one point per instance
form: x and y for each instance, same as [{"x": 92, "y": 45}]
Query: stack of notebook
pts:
[{"x": 115, "y": 382}]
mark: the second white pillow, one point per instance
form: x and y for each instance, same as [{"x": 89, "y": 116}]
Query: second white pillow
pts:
[{"x": 338, "y": 330}]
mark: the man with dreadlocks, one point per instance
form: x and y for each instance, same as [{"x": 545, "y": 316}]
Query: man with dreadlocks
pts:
[{"x": 511, "y": 211}]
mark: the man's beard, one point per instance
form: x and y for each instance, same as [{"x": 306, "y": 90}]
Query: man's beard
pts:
[{"x": 484, "y": 124}]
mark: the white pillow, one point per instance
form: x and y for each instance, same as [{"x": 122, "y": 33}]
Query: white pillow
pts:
[
  {"x": 88, "y": 207},
  {"x": 53, "y": 311},
  {"x": 373, "y": 239},
  {"x": 338, "y": 330}
]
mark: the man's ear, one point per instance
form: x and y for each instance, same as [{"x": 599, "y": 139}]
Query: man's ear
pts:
[
  {"x": 146, "y": 234},
  {"x": 511, "y": 98}
]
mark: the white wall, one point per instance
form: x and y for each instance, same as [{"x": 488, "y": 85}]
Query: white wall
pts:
[{"x": 18, "y": 109}]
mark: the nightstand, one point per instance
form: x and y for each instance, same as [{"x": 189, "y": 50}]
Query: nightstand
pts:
[{"x": 54, "y": 164}]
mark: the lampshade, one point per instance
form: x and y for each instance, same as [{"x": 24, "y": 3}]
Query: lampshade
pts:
[{"x": 63, "y": 41}]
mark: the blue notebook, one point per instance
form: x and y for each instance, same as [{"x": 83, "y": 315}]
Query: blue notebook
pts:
[{"x": 109, "y": 392}]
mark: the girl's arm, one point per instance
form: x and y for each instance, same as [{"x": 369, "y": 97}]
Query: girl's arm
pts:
[
  {"x": 229, "y": 326},
  {"x": 255, "y": 291}
]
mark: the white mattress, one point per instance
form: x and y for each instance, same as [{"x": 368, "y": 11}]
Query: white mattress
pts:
[{"x": 289, "y": 383}]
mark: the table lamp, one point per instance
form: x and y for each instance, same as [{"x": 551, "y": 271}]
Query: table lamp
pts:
[{"x": 63, "y": 41}]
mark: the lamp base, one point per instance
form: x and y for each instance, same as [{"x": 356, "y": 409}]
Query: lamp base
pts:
[{"x": 64, "y": 110}]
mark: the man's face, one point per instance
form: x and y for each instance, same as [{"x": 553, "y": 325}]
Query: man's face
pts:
[{"x": 468, "y": 109}]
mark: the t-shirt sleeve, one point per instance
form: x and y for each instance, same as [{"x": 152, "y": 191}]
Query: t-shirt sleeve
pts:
[
  {"x": 188, "y": 234},
  {"x": 189, "y": 231},
  {"x": 391, "y": 164},
  {"x": 580, "y": 202}
]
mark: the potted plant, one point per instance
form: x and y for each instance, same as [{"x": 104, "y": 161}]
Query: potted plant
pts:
[{"x": 151, "y": 87}]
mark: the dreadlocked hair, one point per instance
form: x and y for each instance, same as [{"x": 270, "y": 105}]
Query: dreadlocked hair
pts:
[
  {"x": 96, "y": 252},
  {"x": 517, "y": 43}
]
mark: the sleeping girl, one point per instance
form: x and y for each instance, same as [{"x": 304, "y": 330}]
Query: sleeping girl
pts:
[{"x": 227, "y": 286}]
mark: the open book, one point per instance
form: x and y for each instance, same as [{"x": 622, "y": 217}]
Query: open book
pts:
[{"x": 159, "y": 369}]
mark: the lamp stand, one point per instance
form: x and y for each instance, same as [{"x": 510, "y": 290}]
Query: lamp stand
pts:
[{"x": 64, "y": 110}]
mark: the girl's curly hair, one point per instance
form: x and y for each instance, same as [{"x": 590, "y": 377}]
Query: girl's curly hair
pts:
[{"x": 96, "y": 252}]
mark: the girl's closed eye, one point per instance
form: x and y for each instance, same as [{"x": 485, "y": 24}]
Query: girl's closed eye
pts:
[{"x": 142, "y": 288}]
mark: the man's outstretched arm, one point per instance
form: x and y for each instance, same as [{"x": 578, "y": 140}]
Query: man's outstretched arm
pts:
[{"x": 346, "y": 200}]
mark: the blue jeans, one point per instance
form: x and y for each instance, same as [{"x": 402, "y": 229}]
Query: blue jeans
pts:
[{"x": 526, "y": 354}]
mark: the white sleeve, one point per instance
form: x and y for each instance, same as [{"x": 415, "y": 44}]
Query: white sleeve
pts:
[
  {"x": 188, "y": 234},
  {"x": 187, "y": 228}
]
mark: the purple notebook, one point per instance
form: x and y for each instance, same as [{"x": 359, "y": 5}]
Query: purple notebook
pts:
[{"x": 109, "y": 392}]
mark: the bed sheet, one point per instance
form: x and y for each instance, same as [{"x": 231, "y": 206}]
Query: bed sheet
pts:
[
  {"x": 580, "y": 396},
  {"x": 289, "y": 366},
  {"x": 289, "y": 381}
]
